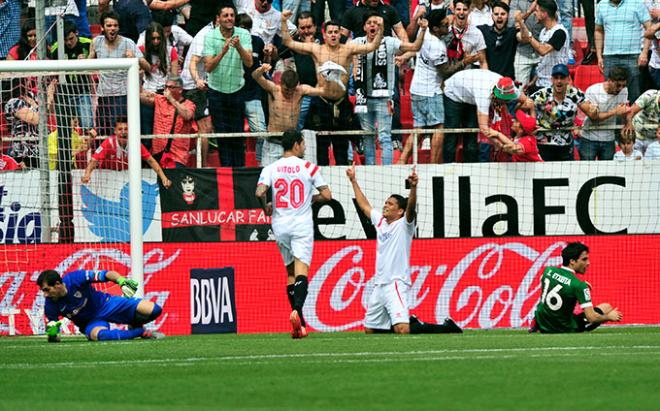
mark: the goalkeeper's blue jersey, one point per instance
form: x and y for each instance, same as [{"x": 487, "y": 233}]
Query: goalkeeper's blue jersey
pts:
[{"x": 82, "y": 302}]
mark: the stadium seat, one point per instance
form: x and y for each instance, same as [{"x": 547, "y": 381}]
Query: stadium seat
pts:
[
  {"x": 95, "y": 29},
  {"x": 578, "y": 50},
  {"x": 358, "y": 159},
  {"x": 250, "y": 143},
  {"x": 251, "y": 159},
  {"x": 407, "y": 81},
  {"x": 459, "y": 150},
  {"x": 406, "y": 111},
  {"x": 423, "y": 156},
  {"x": 395, "y": 156},
  {"x": 212, "y": 160},
  {"x": 579, "y": 30},
  {"x": 585, "y": 76}
]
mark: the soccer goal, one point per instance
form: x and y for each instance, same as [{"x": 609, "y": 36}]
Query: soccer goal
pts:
[{"x": 57, "y": 212}]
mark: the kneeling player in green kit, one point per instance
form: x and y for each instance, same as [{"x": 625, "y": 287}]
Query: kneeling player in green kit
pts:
[{"x": 561, "y": 289}]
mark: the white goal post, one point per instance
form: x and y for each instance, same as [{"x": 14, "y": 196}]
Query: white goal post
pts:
[{"x": 133, "y": 116}]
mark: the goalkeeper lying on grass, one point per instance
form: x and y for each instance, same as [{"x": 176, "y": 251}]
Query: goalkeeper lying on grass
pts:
[{"x": 91, "y": 310}]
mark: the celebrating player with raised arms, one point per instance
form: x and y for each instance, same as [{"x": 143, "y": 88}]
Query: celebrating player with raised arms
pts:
[
  {"x": 387, "y": 309},
  {"x": 562, "y": 289},
  {"x": 92, "y": 311},
  {"x": 293, "y": 181}
]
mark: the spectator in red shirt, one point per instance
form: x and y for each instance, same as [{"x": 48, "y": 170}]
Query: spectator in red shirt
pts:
[
  {"x": 26, "y": 43},
  {"x": 9, "y": 164},
  {"x": 112, "y": 154},
  {"x": 523, "y": 148},
  {"x": 173, "y": 114}
]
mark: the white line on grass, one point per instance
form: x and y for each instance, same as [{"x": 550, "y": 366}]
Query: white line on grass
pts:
[{"x": 367, "y": 356}]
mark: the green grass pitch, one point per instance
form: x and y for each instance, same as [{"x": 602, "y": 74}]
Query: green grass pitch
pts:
[{"x": 613, "y": 368}]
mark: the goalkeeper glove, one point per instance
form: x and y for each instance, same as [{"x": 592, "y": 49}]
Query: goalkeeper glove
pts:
[
  {"x": 53, "y": 331},
  {"x": 128, "y": 286}
]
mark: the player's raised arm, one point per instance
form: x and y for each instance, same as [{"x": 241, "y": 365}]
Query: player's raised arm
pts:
[
  {"x": 413, "y": 179},
  {"x": 288, "y": 41},
  {"x": 361, "y": 199}
]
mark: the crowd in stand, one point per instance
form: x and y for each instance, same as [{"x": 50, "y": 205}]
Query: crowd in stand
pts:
[{"x": 506, "y": 68}]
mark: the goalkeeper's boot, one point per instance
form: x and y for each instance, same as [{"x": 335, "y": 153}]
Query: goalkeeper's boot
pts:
[
  {"x": 297, "y": 326},
  {"x": 152, "y": 335}
]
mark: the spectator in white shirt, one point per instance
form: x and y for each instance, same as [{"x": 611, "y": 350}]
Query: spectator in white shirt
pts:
[
  {"x": 627, "y": 150},
  {"x": 653, "y": 150}
]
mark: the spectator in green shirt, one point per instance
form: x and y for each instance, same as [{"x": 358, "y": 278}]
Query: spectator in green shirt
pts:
[{"x": 226, "y": 50}]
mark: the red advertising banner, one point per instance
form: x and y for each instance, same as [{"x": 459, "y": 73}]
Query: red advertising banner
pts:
[
  {"x": 166, "y": 281},
  {"x": 479, "y": 282}
]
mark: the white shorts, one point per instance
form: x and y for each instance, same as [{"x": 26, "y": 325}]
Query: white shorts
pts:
[
  {"x": 388, "y": 305},
  {"x": 294, "y": 242}
]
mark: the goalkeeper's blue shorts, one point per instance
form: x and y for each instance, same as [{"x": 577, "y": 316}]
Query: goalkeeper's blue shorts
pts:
[{"x": 118, "y": 310}]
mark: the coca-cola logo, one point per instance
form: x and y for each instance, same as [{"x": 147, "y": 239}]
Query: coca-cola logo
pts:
[
  {"x": 20, "y": 295},
  {"x": 494, "y": 285}
]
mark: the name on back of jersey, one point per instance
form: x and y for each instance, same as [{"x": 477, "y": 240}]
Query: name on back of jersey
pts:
[
  {"x": 561, "y": 279},
  {"x": 288, "y": 169}
]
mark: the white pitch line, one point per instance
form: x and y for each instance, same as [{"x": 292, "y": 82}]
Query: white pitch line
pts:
[
  {"x": 418, "y": 359},
  {"x": 343, "y": 357},
  {"x": 79, "y": 340}
]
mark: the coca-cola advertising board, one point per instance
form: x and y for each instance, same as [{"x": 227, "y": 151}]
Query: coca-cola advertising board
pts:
[{"x": 481, "y": 283}]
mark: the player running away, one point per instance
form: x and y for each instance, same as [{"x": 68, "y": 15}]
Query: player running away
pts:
[
  {"x": 562, "y": 289},
  {"x": 294, "y": 181},
  {"x": 387, "y": 309},
  {"x": 92, "y": 311}
]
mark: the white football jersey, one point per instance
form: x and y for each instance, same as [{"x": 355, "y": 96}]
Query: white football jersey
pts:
[
  {"x": 293, "y": 181},
  {"x": 392, "y": 248}
]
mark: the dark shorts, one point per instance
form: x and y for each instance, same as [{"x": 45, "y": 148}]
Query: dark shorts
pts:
[
  {"x": 201, "y": 103},
  {"x": 553, "y": 152},
  {"x": 328, "y": 115},
  {"x": 583, "y": 324},
  {"x": 117, "y": 310}
]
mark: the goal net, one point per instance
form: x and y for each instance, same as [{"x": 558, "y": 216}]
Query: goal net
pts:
[{"x": 63, "y": 206}]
